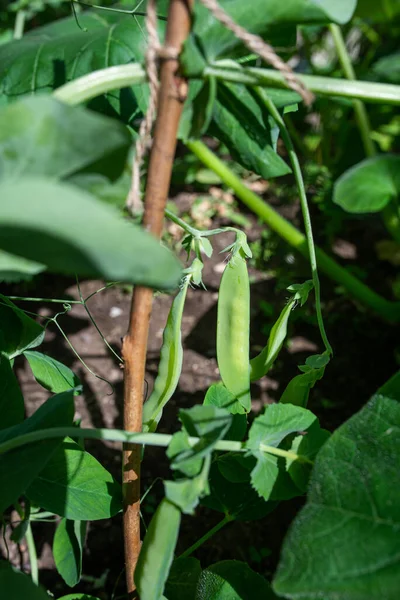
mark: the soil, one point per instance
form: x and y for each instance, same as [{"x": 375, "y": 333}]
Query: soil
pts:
[{"x": 364, "y": 358}]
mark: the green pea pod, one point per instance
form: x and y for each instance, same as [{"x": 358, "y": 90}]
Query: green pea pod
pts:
[
  {"x": 233, "y": 329},
  {"x": 261, "y": 364},
  {"x": 157, "y": 552},
  {"x": 170, "y": 366}
]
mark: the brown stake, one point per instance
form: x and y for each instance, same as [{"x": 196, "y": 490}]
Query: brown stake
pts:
[{"x": 173, "y": 91}]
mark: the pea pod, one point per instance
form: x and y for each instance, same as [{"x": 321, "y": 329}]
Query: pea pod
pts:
[
  {"x": 233, "y": 328},
  {"x": 171, "y": 355}
]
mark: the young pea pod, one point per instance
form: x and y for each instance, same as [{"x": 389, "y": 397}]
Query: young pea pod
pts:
[
  {"x": 171, "y": 356},
  {"x": 233, "y": 328}
]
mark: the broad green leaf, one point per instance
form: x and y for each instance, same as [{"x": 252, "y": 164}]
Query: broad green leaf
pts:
[
  {"x": 237, "y": 500},
  {"x": 236, "y": 466},
  {"x": 157, "y": 551},
  {"x": 269, "y": 476},
  {"x": 308, "y": 446},
  {"x": 182, "y": 579},
  {"x": 15, "y": 585},
  {"x": 70, "y": 232},
  {"x": 232, "y": 580},
  {"x": 218, "y": 395},
  {"x": 19, "y": 467},
  {"x": 261, "y": 364},
  {"x": 41, "y": 136},
  {"x": 52, "y": 55},
  {"x": 18, "y": 332},
  {"x": 51, "y": 374},
  {"x": 238, "y": 122},
  {"x": 388, "y": 67},
  {"x": 370, "y": 185},
  {"x": 11, "y": 399},
  {"x": 67, "y": 550},
  {"x": 73, "y": 484},
  {"x": 353, "y": 505},
  {"x": 14, "y": 268}
]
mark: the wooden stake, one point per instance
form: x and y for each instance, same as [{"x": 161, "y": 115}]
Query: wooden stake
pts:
[{"x": 173, "y": 91}]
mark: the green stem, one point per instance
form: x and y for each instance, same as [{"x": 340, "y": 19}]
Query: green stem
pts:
[
  {"x": 304, "y": 207},
  {"x": 126, "y": 437},
  {"x": 19, "y": 25},
  {"x": 387, "y": 310},
  {"x": 384, "y": 93},
  {"x": 362, "y": 118},
  {"x": 227, "y": 519},
  {"x": 30, "y": 542},
  {"x": 100, "y": 82}
]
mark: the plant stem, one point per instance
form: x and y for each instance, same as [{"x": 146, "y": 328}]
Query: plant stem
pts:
[
  {"x": 384, "y": 308},
  {"x": 19, "y": 25},
  {"x": 172, "y": 93},
  {"x": 304, "y": 207},
  {"x": 30, "y": 542},
  {"x": 383, "y": 93},
  {"x": 100, "y": 82},
  {"x": 227, "y": 519},
  {"x": 390, "y": 213}
]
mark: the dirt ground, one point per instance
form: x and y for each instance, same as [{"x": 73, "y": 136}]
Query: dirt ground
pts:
[{"x": 364, "y": 358}]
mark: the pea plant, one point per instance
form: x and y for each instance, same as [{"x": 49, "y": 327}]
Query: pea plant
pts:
[{"x": 74, "y": 92}]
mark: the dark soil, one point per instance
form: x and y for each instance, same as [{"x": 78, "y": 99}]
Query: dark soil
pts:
[{"x": 364, "y": 349}]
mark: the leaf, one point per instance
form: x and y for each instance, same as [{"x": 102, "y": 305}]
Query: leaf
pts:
[
  {"x": 11, "y": 399},
  {"x": 261, "y": 364},
  {"x": 369, "y": 186},
  {"x": 14, "y": 268},
  {"x": 353, "y": 505},
  {"x": 202, "y": 109},
  {"x": 237, "y": 500},
  {"x": 157, "y": 551},
  {"x": 232, "y": 580},
  {"x": 70, "y": 232},
  {"x": 50, "y": 56},
  {"x": 75, "y": 485},
  {"x": 186, "y": 493},
  {"x": 308, "y": 446},
  {"x": 298, "y": 389},
  {"x": 15, "y": 585},
  {"x": 269, "y": 476},
  {"x": 67, "y": 550},
  {"x": 51, "y": 374},
  {"x": 41, "y": 136},
  {"x": 238, "y": 123},
  {"x": 388, "y": 67},
  {"x": 378, "y": 12},
  {"x": 183, "y": 578},
  {"x": 217, "y": 395},
  {"x": 18, "y": 332},
  {"x": 19, "y": 467}
]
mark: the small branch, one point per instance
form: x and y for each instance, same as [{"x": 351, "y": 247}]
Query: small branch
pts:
[
  {"x": 30, "y": 542},
  {"x": 173, "y": 91},
  {"x": 19, "y": 25}
]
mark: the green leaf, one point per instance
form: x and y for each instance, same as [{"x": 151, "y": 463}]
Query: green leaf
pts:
[
  {"x": 237, "y": 500},
  {"x": 41, "y": 136},
  {"x": 67, "y": 550},
  {"x": 388, "y": 67},
  {"x": 232, "y": 580},
  {"x": 51, "y": 374},
  {"x": 11, "y": 399},
  {"x": 369, "y": 186},
  {"x": 14, "y": 268},
  {"x": 157, "y": 551},
  {"x": 308, "y": 446},
  {"x": 238, "y": 123},
  {"x": 261, "y": 364},
  {"x": 183, "y": 578},
  {"x": 18, "y": 332},
  {"x": 186, "y": 493},
  {"x": 19, "y": 467},
  {"x": 75, "y": 485},
  {"x": 50, "y": 56},
  {"x": 378, "y": 12},
  {"x": 269, "y": 477},
  {"x": 72, "y": 233},
  {"x": 298, "y": 389},
  {"x": 15, "y": 585},
  {"x": 202, "y": 108},
  {"x": 218, "y": 395},
  {"x": 353, "y": 505}
]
